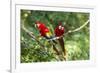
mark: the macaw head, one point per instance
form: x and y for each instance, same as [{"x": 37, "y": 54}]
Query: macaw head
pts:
[
  {"x": 38, "y": 23},
  {"x": 60, "y": 27},
  {"x": 59, "y": 30}
]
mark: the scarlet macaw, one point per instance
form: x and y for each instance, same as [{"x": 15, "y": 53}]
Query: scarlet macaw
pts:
[
  {"x": 59, "y": 31},
  {"x": 45, "y": 32}
]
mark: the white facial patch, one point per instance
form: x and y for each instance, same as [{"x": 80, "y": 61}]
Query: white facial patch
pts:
[
  {"x": 38, "y": 24},
  {"x": 62, "y": 28},
  {"x": 59, "y": 27}
]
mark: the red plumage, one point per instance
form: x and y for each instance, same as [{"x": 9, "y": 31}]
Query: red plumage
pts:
[
  {"x": 42, "y": 28},
  {"x": 59, "y": 30}
]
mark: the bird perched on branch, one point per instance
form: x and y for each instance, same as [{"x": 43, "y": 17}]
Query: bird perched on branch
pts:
[
  {"x": 45, "y": 32},
  {"x": 59, "y": 31}
]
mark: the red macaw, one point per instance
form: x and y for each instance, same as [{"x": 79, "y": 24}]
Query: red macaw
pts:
[
  {"x": 45, "y": 32},
  {"x": 59, "y": 31}
]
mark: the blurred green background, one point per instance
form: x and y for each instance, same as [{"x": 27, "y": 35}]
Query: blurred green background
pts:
[{"x": 76, "y": 43}]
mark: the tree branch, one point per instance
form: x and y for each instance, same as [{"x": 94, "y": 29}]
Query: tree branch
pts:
[
  {"x": 71, "y": 31},
  {"x": 79, "y": 28},
  {"x": 32, "y": 35}
]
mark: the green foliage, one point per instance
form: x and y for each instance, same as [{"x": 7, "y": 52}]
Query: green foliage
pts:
[{"x": 76, "y": 44}]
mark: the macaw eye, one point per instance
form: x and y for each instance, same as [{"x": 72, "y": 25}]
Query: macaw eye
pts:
[{"x": 59, "y": 27}]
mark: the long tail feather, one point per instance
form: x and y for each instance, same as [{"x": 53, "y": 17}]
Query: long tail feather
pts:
[{"x": 61, "y": 41}]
